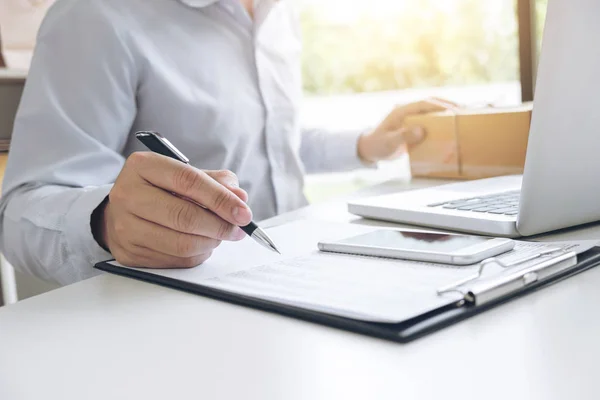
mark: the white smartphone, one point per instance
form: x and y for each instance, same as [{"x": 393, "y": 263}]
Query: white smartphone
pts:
[{"x": 421, "y": 246}]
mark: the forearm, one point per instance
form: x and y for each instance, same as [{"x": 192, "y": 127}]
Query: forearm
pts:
[{"x": 45, "y": 231}]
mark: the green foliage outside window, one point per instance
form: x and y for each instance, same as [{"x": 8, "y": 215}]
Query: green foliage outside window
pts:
[{"x": 401, "y": 44}]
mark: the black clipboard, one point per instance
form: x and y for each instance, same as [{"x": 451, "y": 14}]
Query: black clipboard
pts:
[{"x": 404, "y": 332}]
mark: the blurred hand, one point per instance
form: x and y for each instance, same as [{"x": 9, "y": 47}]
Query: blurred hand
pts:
[
  {"x": 152, "y": 217},
  {"x": 391, "y": 138}
]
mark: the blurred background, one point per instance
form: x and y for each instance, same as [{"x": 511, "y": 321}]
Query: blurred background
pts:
[
  {"x": 362, "y": 58},
  {"x": 390, "y": 45}
]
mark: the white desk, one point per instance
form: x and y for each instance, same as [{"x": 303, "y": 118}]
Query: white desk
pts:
[{"x": 115, "y": 338}]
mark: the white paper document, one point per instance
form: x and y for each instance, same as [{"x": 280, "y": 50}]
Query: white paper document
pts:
[{"x": 365, "y": 288}]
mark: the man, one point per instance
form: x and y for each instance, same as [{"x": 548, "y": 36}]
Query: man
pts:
[{"x": 219, "y": 78}]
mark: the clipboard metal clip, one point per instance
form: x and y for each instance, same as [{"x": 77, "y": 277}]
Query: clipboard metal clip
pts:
[{"x": 484, "y": 290}]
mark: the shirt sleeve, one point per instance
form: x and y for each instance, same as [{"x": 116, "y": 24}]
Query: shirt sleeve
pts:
[
  {"x": 75, "y": 115},
  {"x": 325, "y": 151}
]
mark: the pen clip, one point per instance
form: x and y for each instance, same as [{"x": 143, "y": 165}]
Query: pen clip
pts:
[
  {"x": 161, "y": 145},
  {"x": 489, "y": 290},
  {"x": 486, "y": 289}
]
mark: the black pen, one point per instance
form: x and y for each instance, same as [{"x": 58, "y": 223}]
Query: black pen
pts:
[{"x": 159, "y": 144}]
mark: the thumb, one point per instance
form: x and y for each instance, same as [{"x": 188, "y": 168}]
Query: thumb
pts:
[{"x": 412, "y": 136}]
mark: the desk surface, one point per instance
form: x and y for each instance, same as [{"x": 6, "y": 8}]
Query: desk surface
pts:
[
  {"x": 111, "y": 338},
  {"x": 13, "y": 75}
]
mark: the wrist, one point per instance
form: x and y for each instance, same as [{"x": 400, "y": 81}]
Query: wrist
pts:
[
  {"x": 363, "y": 147},
  {"x": 98, "y": 224}
]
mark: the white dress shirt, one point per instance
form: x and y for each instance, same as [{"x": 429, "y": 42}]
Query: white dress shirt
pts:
[{"x": 223, "y": 88}]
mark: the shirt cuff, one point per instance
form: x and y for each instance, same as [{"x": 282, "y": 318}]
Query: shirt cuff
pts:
[
  {"x": 344, "y": 151},
  {"x": 78, "y": 228}
]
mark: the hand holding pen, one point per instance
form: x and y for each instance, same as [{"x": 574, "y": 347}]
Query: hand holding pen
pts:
[{"x": 147, "y": 220}]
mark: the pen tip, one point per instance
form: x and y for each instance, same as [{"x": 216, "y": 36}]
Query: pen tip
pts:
[
  {"x": 261, "y": 237},
  {"x": 273, "y": 248}
]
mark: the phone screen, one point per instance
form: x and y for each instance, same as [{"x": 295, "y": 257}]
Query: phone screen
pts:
[{"x": 420, "y": 241}]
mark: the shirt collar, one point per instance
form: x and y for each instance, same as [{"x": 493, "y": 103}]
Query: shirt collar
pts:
[{"x": 262, "y": 8}]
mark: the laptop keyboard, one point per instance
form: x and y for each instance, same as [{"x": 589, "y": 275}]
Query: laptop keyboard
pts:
[{"x": 506, "y": 203}]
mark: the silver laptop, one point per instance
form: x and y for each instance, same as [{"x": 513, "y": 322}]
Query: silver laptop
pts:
[{"x": 560, "y": 186}]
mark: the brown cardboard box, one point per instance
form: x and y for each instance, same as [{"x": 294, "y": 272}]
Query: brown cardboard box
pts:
[{"x": 471, "y": 143}]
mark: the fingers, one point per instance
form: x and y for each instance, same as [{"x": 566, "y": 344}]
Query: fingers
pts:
[
  {"x": 426, "y": 106},
  {"x": 444, "y": 102},
  {"x": 395, "y": 120},
  {"x": 415, "y": 135},
  {"x": 397, "y": 141},
  {"x": 412, "y": 136},
  {"x": 192, "y": 183},
  {"x": 142, "y": 233},
  {"x": 230, "y": 181},
  {"x": 136, "y": 232},
  {"x": 163, "y": 208}
]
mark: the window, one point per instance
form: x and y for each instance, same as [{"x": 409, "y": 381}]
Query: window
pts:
[
  {"x": 391, "y": 45},
  {"x": 540, "y": 19},
  {"x": 19, "y": 23},
  {"x": 362, "y": 58}
]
